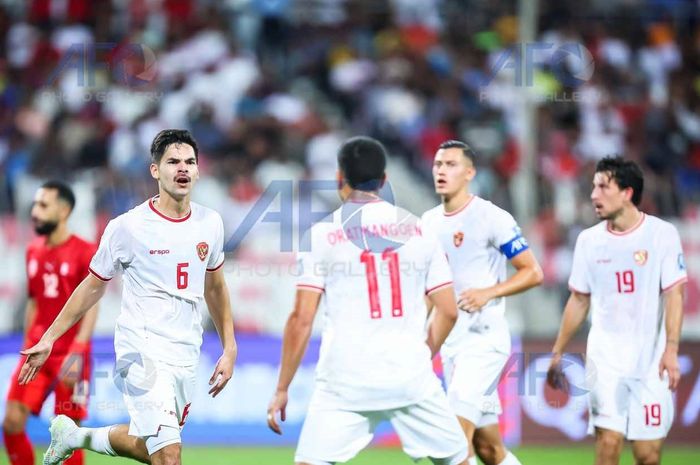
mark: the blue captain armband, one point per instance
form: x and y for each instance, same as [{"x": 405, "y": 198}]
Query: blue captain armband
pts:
[{"x": 513, "y": 247}]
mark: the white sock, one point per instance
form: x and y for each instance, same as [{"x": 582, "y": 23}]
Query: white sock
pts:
[
  {"x": 472, "y": 460},
  {"x": 95, "y": 439},
  {"x": 510, "y": 460}
]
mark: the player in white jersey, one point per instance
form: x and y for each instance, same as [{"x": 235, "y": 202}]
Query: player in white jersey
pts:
[
  {"x": 171, "y": 252},
  {"x": 373, "y": 267},
  {"x": 479, "y": 238},
  {"x": 622, "y": 268}
]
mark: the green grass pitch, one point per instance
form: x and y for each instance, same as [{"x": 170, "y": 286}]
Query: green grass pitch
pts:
[{"x": 574, "y": 455}]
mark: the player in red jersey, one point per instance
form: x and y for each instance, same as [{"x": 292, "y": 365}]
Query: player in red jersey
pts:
[{"x": 57, "y": 261}]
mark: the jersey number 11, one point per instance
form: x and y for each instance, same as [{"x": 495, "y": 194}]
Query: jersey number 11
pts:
[{"x": 392, "y": 258}]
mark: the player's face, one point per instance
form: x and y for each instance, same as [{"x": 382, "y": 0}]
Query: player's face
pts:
[
  {"x": 608, "y": 199},
  {"x": 177, "y": 171},
  {"x": 452, "y": 171},
  {"x": 47, "y": 211}
]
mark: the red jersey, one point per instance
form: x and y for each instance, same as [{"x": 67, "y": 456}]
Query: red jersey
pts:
[{"x": 53, "y": 273}]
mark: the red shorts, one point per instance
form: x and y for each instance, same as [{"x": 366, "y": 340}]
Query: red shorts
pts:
[{"x": 35, "y": 393}]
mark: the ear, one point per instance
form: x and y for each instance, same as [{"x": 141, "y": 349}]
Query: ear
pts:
[
  {"x": 155, "y": 174},
  {"x": 340, "y": 179},
  {"x": 629, "y": 193},
  {"x": 471, "y": 172},
  {"x": 383, "y": 180}
]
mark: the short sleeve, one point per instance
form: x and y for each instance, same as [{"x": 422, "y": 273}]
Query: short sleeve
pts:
[
  {"x": 439, "y": 275},
  {"x": 506, "y": 234},
  {"x": 113, "y": 252},
  {"x": 673, "y": 262},
  {"x": 216, "y": 257},
  {"x": 311, "y": 270},
  {"x": 579, "y": 280}
]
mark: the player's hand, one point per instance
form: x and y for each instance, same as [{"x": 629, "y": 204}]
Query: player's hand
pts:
[
  {"x": 472, "y": 300},
  {"x": 223, "y": 371},
  {"x": 555, "y": 375},
  {"x": 36, "y": 357},
  {"x": 669, "y": 363},
  {"x": 277, "y": 404}
]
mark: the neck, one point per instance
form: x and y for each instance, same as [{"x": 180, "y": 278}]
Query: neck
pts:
[
  {"x": 58, "y": 236},
  {"x": 362, "y": 196},
  {"x": 170, "y": 206},
  {"x": 627, "y": 218},
  {"x": 456, "y": 201}
]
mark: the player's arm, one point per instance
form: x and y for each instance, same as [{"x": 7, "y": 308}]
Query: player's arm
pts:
[
  {"x": 442, "y": 317},
  {"x": 575, "y": 313},
  {"x": 217, "y": 298},
  {"x": 297, "y": 332},
  {"x": 528, "y": 273},
  {"x": 85, "y": 296},
  {"x": 673, "y": 307},
  {"x": 29, "y": 316}
]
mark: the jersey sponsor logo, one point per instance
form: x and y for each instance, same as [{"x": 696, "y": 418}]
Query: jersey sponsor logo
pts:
[
  {"x": 202, "y": 250},
  {"x": 64, "y": 269},
  {"x": 681, "y": 262},
  {"x": 641, "y": 256},
  {"x": 159, "y": 252},
  {"x": 458, "y": 238}
]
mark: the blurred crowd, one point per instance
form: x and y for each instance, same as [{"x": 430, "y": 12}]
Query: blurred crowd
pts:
[{"x": 270, "y": 88}]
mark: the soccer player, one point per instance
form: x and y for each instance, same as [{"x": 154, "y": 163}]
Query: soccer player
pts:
[
  {"x": 622, "y": 267},
  {"x": 372, "y": 267},
  {"x": 57, "y": 261},
  {"x": 171, "y": 251},
  {"x": 479, "y": 238}
]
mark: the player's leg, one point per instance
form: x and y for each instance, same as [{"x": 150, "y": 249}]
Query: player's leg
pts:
[
  {"x": 430, "y": 429},
  {"x": 21, "y": 402},
  {"x": 647, "y": 452},
  {"x": 331, "y": 435},
  {"x": 651, "y": 416},
  {"x": 489, "y": 446},
  {"x": 17, "y": 444},
  {"x": 608, "y": 415},
  {"x": 608, "y": 446},
  {"x": 474, "y": 398}
]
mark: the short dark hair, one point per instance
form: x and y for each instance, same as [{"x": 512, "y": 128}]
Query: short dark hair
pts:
[
  {"x": 167, "y": 137},
  {"x": 362, "y": 161},
  {"x": 63, "y": 190},
  {"x": 458, "y": 144},
  {"x": 626, "y": 173}
]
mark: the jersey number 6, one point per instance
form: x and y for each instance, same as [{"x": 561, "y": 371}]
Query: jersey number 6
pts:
[{"x": 182, "y": 276}]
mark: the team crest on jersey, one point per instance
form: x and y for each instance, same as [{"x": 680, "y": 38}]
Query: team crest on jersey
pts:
[
  {"x": 202, "y": 250},
  {"x": 640, "y": 256},
  {"x": 458, "y": 238}
]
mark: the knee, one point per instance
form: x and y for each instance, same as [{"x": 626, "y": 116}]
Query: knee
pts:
[
  {"x": 170, "y": 455},
  {"x": 610, "y": 444},
  {"x": 648, "y": 457},
  {"x": 486, "y": 451},
  {"x": 14, "y": 421}
]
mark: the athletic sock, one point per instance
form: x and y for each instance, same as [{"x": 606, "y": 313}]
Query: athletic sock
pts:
[
  {"x": 510, "y": 460},
  {"x": 19, "y": 448},
  {"x": 94, "y": 439}
]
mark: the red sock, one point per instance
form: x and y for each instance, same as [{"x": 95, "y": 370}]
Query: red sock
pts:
[
  {"x": 78, "y": 458},
  {"x": 19, "y": 449}
]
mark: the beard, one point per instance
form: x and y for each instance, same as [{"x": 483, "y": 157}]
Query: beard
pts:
[{"x": 45, "y": 228}]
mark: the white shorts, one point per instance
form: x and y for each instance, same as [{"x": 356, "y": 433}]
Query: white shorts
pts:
[
  {"x": 156, "y": 395},
  {"x": 426, "y": 429},
  {"x": 472, "y": 378},
  {"x": 641, "y": 410}
]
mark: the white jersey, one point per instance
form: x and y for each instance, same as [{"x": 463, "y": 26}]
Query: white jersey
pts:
[
  {"x": 374, "y": 267},
  {"x": 625, "y": 273},
  {"x": 478, "y": 238},
  {"x": 164, "y": 261}
]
